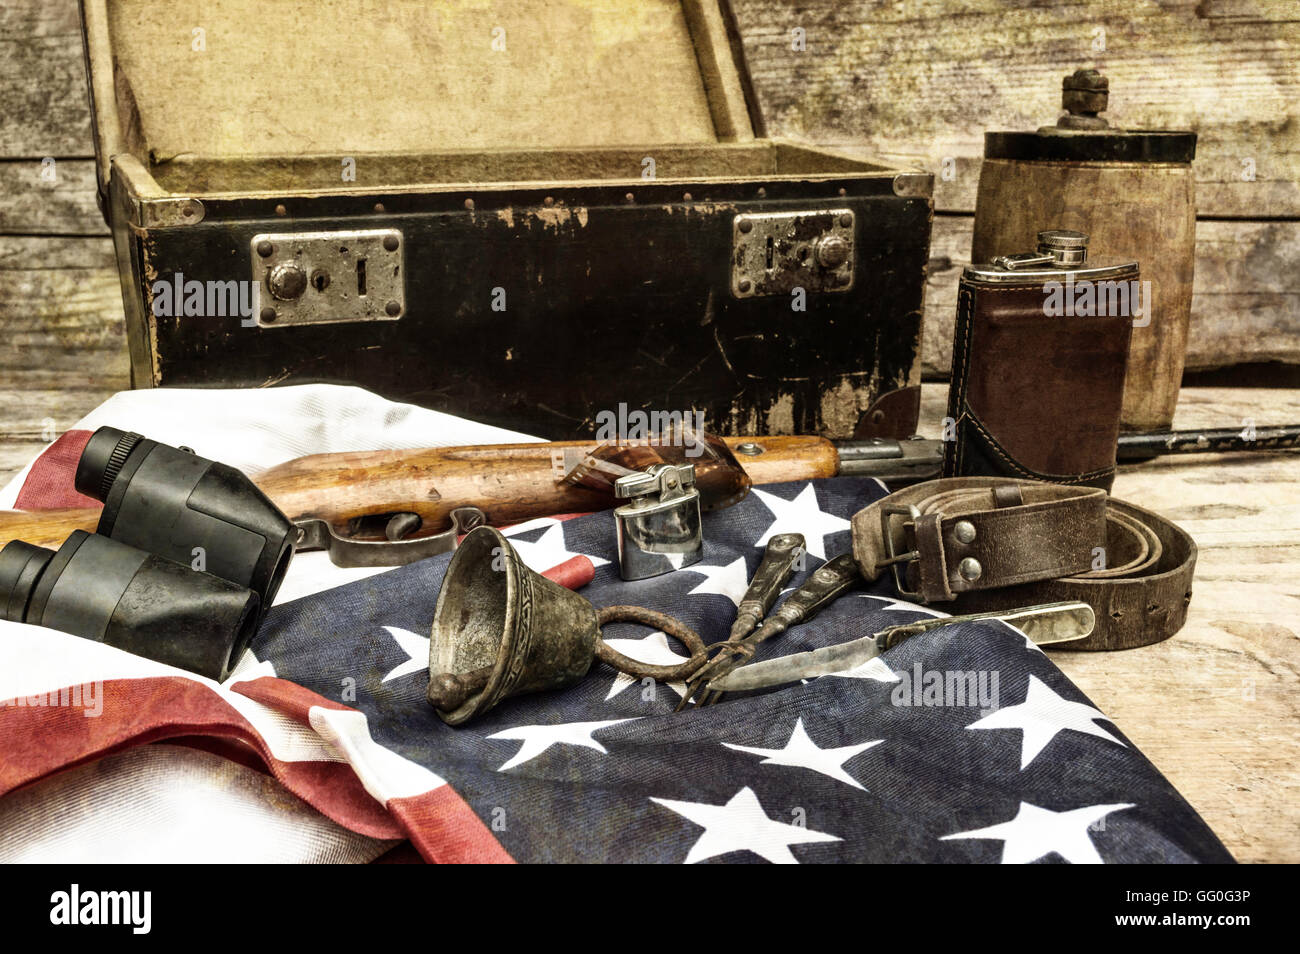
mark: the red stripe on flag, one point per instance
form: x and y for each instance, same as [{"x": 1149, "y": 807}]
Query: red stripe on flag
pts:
[
  {"x": 439, "y": 823},
  {"x": 40, "y": 741},
  {"x": 445, "y": 830},
  {"x": 49, "y": 483},
  {"x": 287, "y": 697}
]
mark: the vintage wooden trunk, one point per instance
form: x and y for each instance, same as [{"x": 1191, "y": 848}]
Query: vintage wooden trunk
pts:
[{"x": 526, "y": 213}]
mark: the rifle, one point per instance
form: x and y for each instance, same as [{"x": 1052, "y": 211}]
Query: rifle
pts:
[{"x": 380, "y": 508}]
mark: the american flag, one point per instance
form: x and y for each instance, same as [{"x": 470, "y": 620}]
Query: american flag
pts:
[{"x": 965, "y": 744}]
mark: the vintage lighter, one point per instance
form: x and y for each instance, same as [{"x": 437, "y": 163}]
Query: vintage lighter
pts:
[
  {"x": 659, "y": 528},
  {"x": 1038, "y": 364}
]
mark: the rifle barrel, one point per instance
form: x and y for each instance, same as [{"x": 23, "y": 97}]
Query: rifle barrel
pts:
[
  {"x": 1213, "y": 441},
  {"x": 921, "y": 459}
]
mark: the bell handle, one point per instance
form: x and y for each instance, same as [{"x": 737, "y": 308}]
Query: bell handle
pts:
[{"x": 665, "y": 624}]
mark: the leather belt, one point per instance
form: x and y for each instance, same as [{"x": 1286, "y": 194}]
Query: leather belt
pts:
[{"x": 988, "y": 543}]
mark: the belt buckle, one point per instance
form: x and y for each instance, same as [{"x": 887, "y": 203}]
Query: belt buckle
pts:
[{"x": 894, "y": 560}]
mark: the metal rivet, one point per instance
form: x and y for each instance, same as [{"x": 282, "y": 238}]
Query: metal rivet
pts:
[
  {"x": 379, "y": 207},
  {"x": 745, "y": 225},
  {"x": 749, "y": 449},
  {"x": 630, "y": 197},
  {"x": 686, "y": 197},
  {"x": 268, "y": 314},
  {"x": 846, "y": 220},
  {"x": 281, "y": 210},
  {"x": 964, "y": 531},
  {"x": 469, "y": 205},
  {"x": 265, "y": 248},
  {"x": 393, "y": 309},
  {"x": 970, "y": 569},
  {"x": 762, "y": 193},
  {"x": 390, "y": 243},
  {"x": 744, "y": 285},
  {"x": 548, "y": 201}
]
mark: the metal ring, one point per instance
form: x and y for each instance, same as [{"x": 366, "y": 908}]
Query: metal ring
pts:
[{"x": 662, "y": 622}]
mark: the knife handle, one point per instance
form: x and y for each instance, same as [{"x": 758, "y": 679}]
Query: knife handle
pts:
[{"x": 784, "y": 551}]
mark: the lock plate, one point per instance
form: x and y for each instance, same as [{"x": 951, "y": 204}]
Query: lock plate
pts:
[
  {"x": 313, "y": 278},
  {"x": 773, "y": 253}
]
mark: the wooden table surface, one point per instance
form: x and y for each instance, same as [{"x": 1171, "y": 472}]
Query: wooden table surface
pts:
[{"x": 1216, "y": 707}]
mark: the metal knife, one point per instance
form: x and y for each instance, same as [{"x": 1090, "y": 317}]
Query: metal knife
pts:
[{"x": 1045, "y": 624}]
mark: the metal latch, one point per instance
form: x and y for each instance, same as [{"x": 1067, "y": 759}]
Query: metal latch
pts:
[
  {"x": 773, "y": 253},
  {"x": 313, "y": 278},
  {"x": 659, "y": 529}
]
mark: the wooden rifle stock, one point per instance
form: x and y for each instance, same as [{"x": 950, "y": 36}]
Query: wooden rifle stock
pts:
[{"x": 508, "y": 482}]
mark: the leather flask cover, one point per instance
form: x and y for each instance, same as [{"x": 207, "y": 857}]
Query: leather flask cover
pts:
[{"x": 1037, "y": 387}]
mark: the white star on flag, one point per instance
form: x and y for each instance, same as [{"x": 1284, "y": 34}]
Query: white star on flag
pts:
[
  {"x": 802, "y": 752},
  {"x": 730, "y": 581},
  {"x": 1041, "y": 717},
  {"x": 801, "y": 515},
  {"x": 653, "y": 649},
  {"x": 1036, "y": 832},
  {"x": 549, "y": 550},
  {"x": 900, "y": 606},
  {"x": 538, "y": 738},
  {"x": 742, "y": 825},
  {"x": 415, "y": 646}
]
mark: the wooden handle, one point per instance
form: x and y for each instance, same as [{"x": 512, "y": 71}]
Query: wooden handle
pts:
[
  {"x": 787, "y": 458},
  {"x": 46, "y": 528},
  {"x": 508, "y": 482}
]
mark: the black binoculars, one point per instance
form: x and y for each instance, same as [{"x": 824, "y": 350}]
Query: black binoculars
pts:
[{"x": 184, "y": 563}]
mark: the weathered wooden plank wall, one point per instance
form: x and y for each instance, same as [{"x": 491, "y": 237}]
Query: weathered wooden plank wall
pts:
[{"x": 916, "y": 82}]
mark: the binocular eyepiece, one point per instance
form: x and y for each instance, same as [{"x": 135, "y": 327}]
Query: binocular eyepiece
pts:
[{"x": 186, "y": 559}]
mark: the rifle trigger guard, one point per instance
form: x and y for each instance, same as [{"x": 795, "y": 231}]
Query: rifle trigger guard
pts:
[{"x": 316, "y": 534}]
